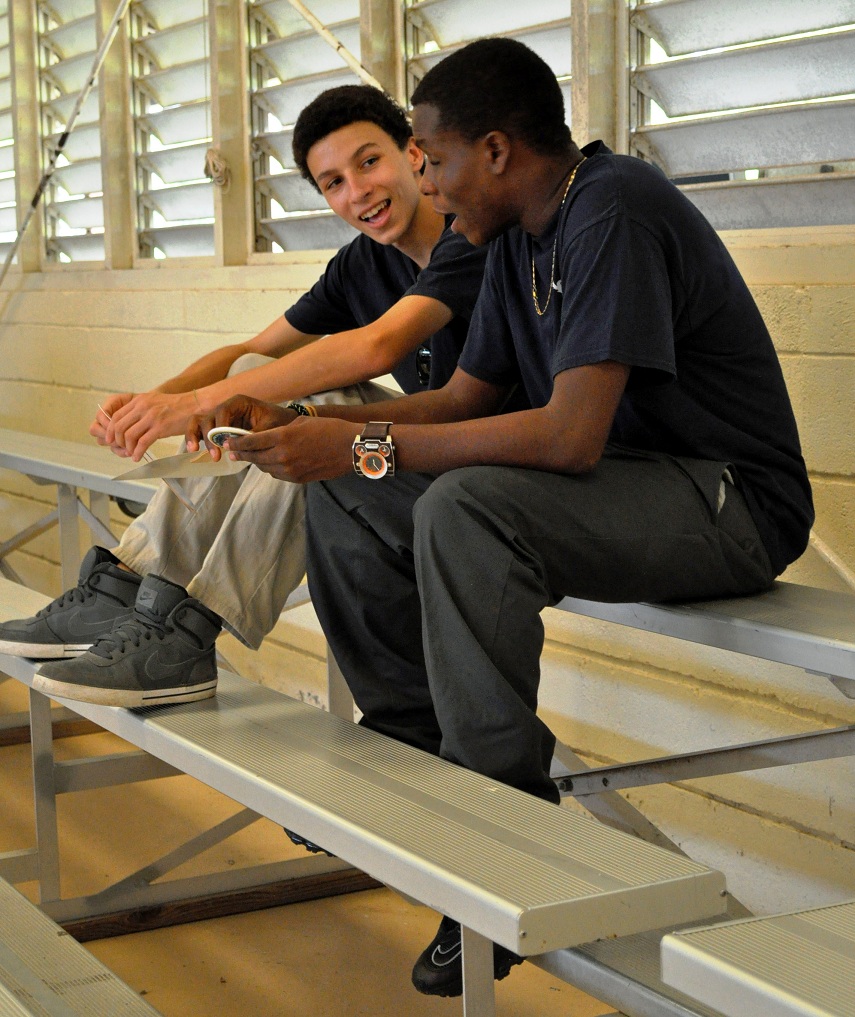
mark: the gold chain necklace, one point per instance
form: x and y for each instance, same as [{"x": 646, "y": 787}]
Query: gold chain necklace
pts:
[{"x": 537, "y": 307}]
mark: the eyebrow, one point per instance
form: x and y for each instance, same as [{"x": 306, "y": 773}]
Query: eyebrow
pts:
[{"x": 355, "y": 155}]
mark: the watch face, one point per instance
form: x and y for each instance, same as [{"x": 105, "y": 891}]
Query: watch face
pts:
[{"x": 373, "y": 465}]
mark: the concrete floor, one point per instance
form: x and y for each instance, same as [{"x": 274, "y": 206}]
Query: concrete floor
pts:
[{"x": 339, "y": 957}]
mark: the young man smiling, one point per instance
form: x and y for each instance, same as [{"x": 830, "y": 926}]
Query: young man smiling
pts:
[
  {"x": 658, "y": 460},
  {"x": 396, "y": 299}
]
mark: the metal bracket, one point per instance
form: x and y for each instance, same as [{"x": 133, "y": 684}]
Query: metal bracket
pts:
[{"x": 802, "y": 748}]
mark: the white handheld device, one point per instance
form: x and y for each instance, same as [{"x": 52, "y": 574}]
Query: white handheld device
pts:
[{"x": 218, "y": 435}]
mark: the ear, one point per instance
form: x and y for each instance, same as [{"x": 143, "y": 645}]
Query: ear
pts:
[
  {"x": 497, "y": 151},
  {"x": 415, "y": 156}
]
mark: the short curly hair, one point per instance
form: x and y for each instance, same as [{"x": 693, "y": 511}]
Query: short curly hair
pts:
[
  {"x": 339, "y": 107},
  {"x": 498, "y": 85}
]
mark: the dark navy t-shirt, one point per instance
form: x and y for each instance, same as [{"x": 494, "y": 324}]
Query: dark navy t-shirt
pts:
[
  {"x": 364, "y": 279},
  {"x": 643, "y": 279}
]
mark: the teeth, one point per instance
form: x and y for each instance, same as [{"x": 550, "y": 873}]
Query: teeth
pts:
[{"x": 374, "y": 211}]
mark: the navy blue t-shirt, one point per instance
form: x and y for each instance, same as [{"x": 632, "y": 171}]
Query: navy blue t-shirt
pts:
[
  {"x": 643, "y": 279},
  {"x": 364, "y": 279}
]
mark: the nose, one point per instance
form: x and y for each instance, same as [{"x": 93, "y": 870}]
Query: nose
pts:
[
  {"x": 427, "y": 185},
  {"x": 357, "y": 188}
]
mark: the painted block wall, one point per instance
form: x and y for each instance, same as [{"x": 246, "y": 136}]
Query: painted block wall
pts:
[{"x": 785, "y": 837}]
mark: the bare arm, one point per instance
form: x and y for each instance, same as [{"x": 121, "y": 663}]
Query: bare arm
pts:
[
  {"x": 130, "y": 422},
  {"x": 306, "y": 367},
  {"x": 277, "y": 340},
  {"x": 341, "y": 359},
  {"x": 567, "y": 435},
  {"x": 439, "y": 431}
]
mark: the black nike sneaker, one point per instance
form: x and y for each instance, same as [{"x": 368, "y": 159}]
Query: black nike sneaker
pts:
[
  {"x": 69, "y": 625},
  {"x": 439, "y": 970},
  {"x": 163, "y": 653}
]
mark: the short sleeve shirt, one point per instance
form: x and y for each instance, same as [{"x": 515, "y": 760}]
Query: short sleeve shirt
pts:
[
  {"x": 364, "y": 279},
  {"x": 642, "y": 278}
]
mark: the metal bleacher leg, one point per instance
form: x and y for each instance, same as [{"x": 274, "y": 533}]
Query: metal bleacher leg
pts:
[
  {"x": 479, "y": 992},
  {"x": 98, "y": 519},
  {"x": 69, "y": 535},
  {"x": 338, "y": 694},
  {"x": 44, "y": 795}
]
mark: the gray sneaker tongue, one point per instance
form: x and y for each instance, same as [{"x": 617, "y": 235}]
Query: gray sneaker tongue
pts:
[{"x": 156, "y": 597}]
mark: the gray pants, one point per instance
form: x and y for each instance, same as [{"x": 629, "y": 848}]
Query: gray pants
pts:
[
  {"x": 243, "y": 551},
  {"x": 430, "y": 591}
]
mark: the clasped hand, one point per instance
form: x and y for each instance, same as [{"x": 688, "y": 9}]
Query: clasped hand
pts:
[
  {"x": 283, "y": 444},
  {"x": 129, "y": 424}
]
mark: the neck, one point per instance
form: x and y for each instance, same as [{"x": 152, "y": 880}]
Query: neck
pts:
[
  {"x": 547, "y": 188},
  {"x": 425, "y": 230}
]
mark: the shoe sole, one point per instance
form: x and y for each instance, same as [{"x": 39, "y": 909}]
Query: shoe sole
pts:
[
  {"x": 453, "y": 989},
  {"x": 121, "y": 697},
  {"x": 43, "y": 651}
]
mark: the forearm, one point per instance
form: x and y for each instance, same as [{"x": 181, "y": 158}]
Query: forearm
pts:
[
  {"x": 210, "y": 368},
  {"x": 347, "y": 358},
  {"x": 278, "y": 339},
  {"x": 567, "y": 435},
  {"x": 528, "y": 439},
  {"x": 273, "y": 382}
]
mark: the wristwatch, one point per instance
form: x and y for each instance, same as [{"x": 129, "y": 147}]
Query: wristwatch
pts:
[{"x": 373, "y": 451}]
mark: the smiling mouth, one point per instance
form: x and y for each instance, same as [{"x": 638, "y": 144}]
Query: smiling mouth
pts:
[{"x": 372, "y": 213}]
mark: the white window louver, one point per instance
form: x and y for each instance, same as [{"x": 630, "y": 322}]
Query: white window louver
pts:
[
  {"x": 750, "y": 106},
  {"x": 74, "y": 210},
  {"x": 172, "y": 115},
  {"x": 434, "y": 28},
  {"x": 290, "y": 64},
  {"x": 8, "y": 209}
]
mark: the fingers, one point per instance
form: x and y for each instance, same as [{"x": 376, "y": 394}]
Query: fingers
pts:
[
  {"x": 197, "y": 429},
  {"x": 135, "y": 436}
]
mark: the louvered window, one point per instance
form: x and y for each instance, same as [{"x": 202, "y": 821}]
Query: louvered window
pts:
[
  {"x": 172, "y": 116},
  {"x": 751, "y": 106},
  {"x": 8, "y": 211},
  {"x": 74, "y": 212},
  {"x": 290, "y": 64},
  {"x": 436, "y": 27}
]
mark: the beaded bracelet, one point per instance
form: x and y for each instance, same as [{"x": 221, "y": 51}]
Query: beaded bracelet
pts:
[{"x": 302, "y": 409}]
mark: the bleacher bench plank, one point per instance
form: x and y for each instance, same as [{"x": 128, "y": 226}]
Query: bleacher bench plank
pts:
[
  {"x": 46, "y": 973},
  {"x": 77, "y": 464},
  {"x": 790, "y": 624},
  {"x": 790, "y": 965}
]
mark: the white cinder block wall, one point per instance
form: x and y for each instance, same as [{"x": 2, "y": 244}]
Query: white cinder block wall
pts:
[{"x": 784, "y": 837}]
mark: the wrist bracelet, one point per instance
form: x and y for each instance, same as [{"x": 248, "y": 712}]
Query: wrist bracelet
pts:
[{"x": 302, "y": 409}]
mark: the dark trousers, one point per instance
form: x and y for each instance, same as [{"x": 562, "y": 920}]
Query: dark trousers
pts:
[{"x": 430, "y": 590}]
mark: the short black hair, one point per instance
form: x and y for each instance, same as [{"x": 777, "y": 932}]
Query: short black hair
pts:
[
  {"x": 339, "y": 107},
  {"x": 498, "y": 85}
]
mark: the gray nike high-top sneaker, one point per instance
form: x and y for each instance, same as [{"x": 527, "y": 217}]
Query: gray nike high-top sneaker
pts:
[
  {"x": 69, "y": 625},
  {"x": 164, "y": 653}
]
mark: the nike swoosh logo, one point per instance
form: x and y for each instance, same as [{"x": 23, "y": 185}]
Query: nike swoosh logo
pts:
[
  {"x": 557, "y": 286},
  {"x": 442, "y": 958},
  {"x": 162, "y": 669},
  {"x": 75, "y": 619}
]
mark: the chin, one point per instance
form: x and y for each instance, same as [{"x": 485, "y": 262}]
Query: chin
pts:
[
  {"x": 470, "y": 232},
  {"x": 477, "y": 233}
]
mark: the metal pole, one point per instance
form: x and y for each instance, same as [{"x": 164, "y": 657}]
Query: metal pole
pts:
[
  {"x": 339, "y": 47},
  {"x": 100, "y": 56}
]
